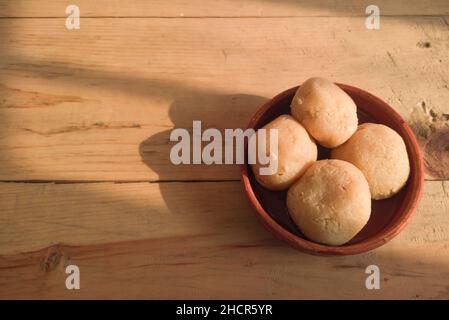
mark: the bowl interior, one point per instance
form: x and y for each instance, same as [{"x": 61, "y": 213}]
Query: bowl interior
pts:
[{"x": 387, "y": 216}]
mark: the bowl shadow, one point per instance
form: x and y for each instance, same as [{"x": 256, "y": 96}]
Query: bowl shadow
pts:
[{"x": 155, "y": 153}]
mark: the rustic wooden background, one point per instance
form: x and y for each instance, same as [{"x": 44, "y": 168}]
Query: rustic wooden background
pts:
[{"x": 85, "y": 117}]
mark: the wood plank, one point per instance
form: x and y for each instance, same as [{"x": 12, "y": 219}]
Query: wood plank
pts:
[
  {"x": 196, "y": 249},
  {"x": 218, "y": 8},
  {"x": 36, "y": 215},
  {"x": 98, "y": 104}
]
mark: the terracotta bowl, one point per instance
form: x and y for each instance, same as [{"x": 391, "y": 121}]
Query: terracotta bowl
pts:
[{"x": 388, "y": 216}]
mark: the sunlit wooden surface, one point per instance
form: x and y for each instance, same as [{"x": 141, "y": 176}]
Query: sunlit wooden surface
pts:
[{"x": 85, "y": 118}]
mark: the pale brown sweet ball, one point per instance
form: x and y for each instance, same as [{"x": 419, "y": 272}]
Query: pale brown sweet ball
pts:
[
  {"x": 380, "y": 153},
  {"x": 331, "y": 202},
  {"x": 326, "y": 111},
  {"x": 296, "y": 151}
]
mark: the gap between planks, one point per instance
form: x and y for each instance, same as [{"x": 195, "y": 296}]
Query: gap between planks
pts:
[
  {"x": 140, "y": 181},
  {"x": 119, "y": 181},
  {"x": 236, "y": 17}
]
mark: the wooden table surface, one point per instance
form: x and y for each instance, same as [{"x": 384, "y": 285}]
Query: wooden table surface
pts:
[{"x": 85, "y": 117}]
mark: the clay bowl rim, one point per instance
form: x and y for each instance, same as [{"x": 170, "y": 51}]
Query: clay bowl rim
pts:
[{"x": 416, "y": 180}]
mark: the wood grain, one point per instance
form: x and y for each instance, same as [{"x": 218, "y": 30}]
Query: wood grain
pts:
[
  {"x": 219, "y": 8},
  {"x": 93, "y": 109},
  {"x": 197, "y": 249},
  {"x": 98, "y": 104}
]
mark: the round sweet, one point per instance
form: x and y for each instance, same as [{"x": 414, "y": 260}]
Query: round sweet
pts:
[
  {"x": 380, "y": 153},
  {"x": 326, "y": 111},
  {"x": 296, "y": 151},
  {"x": 331, "y": 202}
]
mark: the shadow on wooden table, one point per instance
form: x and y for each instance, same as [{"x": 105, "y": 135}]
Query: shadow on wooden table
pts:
[
  {"x": 214, "y": 111},
  {"x": 235, "y": 109},
  {"x": 189, "y": 102}
]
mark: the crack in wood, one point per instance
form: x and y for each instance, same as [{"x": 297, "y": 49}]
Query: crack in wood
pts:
[{"x": 94, "y": 126}]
